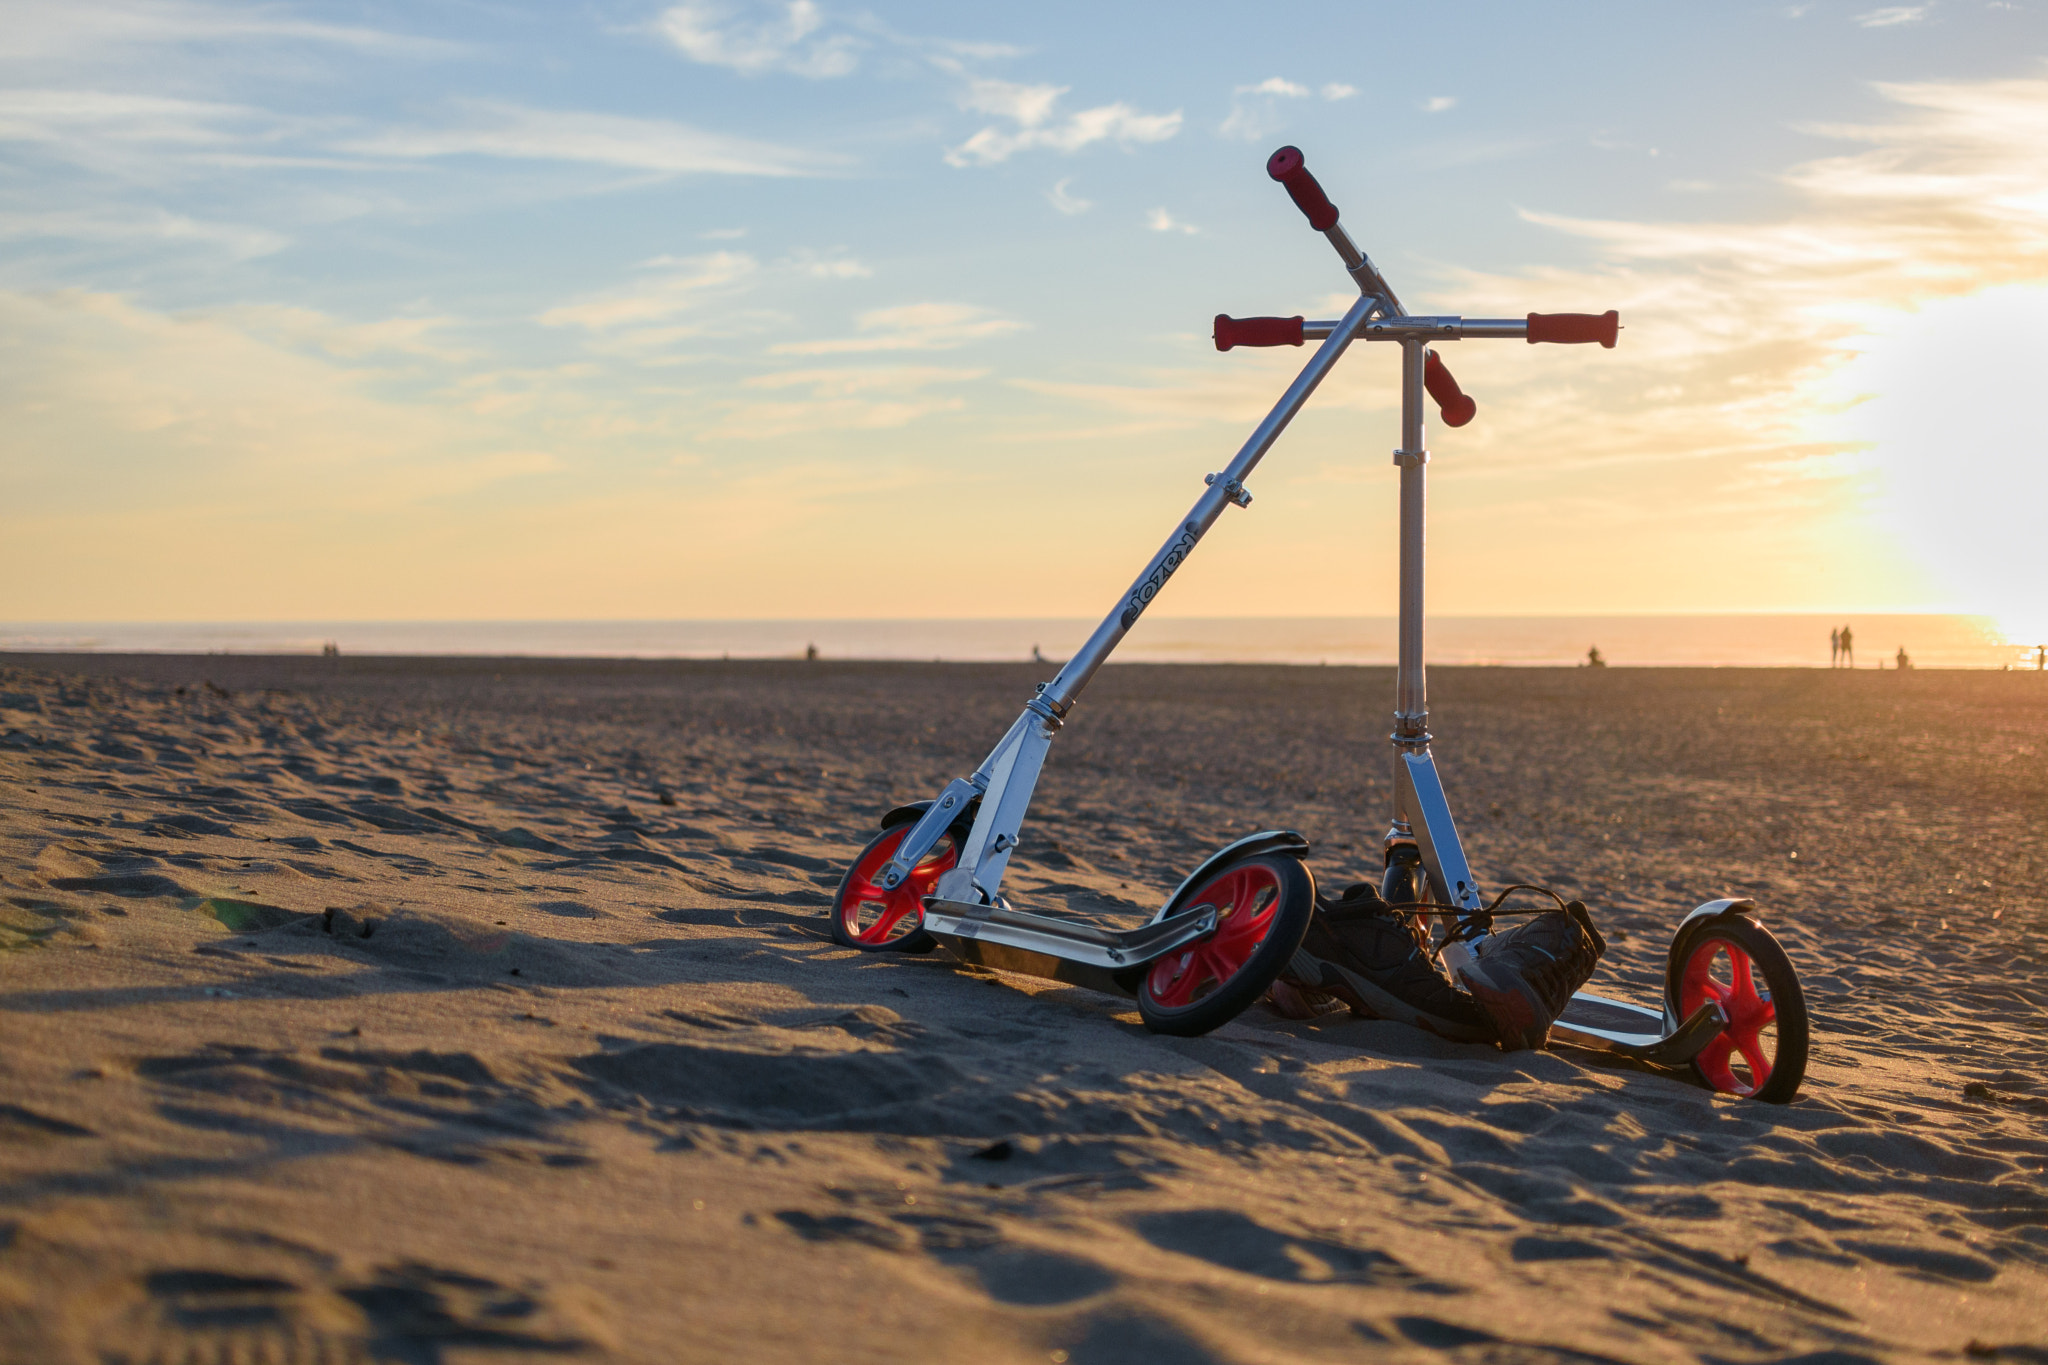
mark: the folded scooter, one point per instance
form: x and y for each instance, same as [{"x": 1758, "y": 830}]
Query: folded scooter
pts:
[{"x": 1732, "y": 1006}]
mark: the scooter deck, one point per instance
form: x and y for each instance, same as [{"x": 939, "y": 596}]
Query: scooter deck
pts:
[
  {"x": 1072, "y": 951},
  {"x": 1078, "y": 953},
  {"x": 1595, "y": 1021}
]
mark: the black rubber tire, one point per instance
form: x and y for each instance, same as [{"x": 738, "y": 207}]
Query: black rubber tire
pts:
[
  {"x": 1793, "y": 1026},
  {"x": 1230, "y": 996},
  {"x": 916, "y": 940}
]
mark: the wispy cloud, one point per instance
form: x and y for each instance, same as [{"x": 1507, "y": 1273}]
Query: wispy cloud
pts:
[
  {"x": 1257, "y": 110},
  {"x": 1891, "y": 16},
  {"x": 136, "y": 136},
  {"x": 792, "y": 37},
  {"x": 1065, "y": 202},
  {"x": 132, "y": 226},
  {"x": 829, "y": 266},
  {"x": 669, "y": 287},
  {"x": 655, "y": 145},
  {"x": 1029, "y": 109},
  {"x": 85, "y": 29},
  {"x": 1159, "y": 220},
  {"x": 842, "y": 400},
  {"x": 421, "y": 335},
  {"x": 911, "y": 327},
  {"x": 1438, "y": 104}
]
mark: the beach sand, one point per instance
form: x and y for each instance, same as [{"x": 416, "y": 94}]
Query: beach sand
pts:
[{"x": 406, "y": 1010}]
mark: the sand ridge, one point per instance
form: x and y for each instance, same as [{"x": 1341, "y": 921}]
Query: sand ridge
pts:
[{"x": 421, "y": 1010}]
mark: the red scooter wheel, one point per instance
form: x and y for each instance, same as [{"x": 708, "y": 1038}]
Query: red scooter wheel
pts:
[
  {"x": 1263, "y": 906},
  {"x": 1735, "y": 962},
  {"x": 874, "y": 919}
]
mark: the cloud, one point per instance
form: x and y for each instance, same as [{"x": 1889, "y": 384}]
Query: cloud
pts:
[
  {"x": 129, "y": 226},
  {"x": 788, "y": 38},
  {"x": 1159, "y": 220},
  {"x": 1255, "y": 109},
  {"x": 1438, "y": 104},
  {"x": 1891, "y": 16},
  {"x": 82, "y": 30},
  {"x": 1067, "y": 203},
  {"x": 1276, "y": 85},
  {"x": 842, "y": 399},
  {"x": 830, "y": 267},
  {"x": 137, "y": 137},
  {"x": 236, "y": 406},
  {"x": 310, "y": 329},
  {"x": 1030, "y": 109},
  {"x": 673, "y": 286},
  {"x": 1337, "y": 90},
  {"x": 520, "y": 133},
  {"x": 911, "y": 327}
]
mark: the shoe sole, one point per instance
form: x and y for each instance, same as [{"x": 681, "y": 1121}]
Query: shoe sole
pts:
[
  {"x": 1308, "y": 971},
  {"x": 1517, "y": 1017}
]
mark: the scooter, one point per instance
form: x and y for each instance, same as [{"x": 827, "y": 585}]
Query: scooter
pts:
[{"x": 1732, "y": 1007}]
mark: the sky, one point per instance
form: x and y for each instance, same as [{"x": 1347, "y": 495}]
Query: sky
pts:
[{"x": 463, "y": 310}]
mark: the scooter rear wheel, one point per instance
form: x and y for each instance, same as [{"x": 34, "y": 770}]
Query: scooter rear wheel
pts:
[
  {"x": 1263, "y": 906},
  {"x": 873, "y": 919},
  {"x": 1761, "y": 1053}
]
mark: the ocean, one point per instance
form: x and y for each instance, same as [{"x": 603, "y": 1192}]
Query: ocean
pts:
[{"x": 1732, "y": 641}]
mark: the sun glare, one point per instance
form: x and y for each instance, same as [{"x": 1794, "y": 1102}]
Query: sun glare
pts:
[{"x": 1956, "y": 425}]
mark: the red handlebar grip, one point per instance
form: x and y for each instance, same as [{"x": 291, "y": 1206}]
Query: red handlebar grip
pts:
[
  {"x": 1574, "y": 327},
  {"x": 1256, "y": 332},
  {"x": 1287, "y": 167},
  {"x": 1457, "y": 407}
]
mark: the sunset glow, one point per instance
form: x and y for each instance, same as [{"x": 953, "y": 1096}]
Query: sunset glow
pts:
[{"x": 720, "y": 312}]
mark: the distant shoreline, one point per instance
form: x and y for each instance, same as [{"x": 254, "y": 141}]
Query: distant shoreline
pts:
[{"x": 1709, "y": 641}]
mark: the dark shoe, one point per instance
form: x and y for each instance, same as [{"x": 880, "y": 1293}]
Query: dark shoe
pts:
[
  {"x": 1375, "y": 961},
  {"x": 1526, "y": 976}
]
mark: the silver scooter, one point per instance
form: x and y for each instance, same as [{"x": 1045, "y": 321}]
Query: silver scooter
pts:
[{"x": 1732, "y": 1007}]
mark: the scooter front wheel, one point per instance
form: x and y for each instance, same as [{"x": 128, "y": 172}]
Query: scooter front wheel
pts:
[
  {"x": 1737, "y": 964},
  {"x": 867, "y": 916},
  {"x": 1263, "y": 906}
]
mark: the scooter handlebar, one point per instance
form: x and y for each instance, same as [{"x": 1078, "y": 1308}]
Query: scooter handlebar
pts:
[
  {"x": 1287, "y": 167},
  {"x": 1456, "y": 406},
  {"x": 1570, "y": 328},
  {"x": 1232, "y": 331}
]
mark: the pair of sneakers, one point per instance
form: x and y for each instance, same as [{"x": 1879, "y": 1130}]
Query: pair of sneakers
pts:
[{"x": 1378, "y": 962}]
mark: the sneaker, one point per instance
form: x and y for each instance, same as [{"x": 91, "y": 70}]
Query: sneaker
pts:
[
  {"x": 1526, "y": 976},
  {"x": 1378, "y": 963}
]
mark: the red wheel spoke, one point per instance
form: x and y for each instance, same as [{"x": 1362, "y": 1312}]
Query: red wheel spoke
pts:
[
  {"x": 1170, "y": 981},
  {"x": 1214, "y": 966},
  {"x": 892, "y": 908},
  {"x": 889, "y": 919},
  {"x": 1752, "y": 1049},
  {"x": 1713, "y": 1064}
]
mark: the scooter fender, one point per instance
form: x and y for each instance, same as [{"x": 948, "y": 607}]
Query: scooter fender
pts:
[
  {"x": 903, "y": 815},
  {"x": 1687, "y": 927},
  {"x": 1266, "y": 841}
]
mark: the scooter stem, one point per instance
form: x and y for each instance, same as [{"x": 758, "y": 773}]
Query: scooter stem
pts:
[{"x": 1411, "y": 692}]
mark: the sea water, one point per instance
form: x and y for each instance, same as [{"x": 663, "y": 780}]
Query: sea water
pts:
[{"x": 1930, "y": 641}]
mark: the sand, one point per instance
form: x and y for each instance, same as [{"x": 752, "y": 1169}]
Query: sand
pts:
[{"x": 436, "y": 1011}]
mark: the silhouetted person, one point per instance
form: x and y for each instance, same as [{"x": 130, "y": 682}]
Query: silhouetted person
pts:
[
  {"x": 1593, "y": 659},
  {"x": 1037, "y": 657},
  {"x": 1848, "y": 648},
  {"x": 1834, "y": 648},
  {"x": 810, "y": 653},
  {"x": 1904, "y": 662}
]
